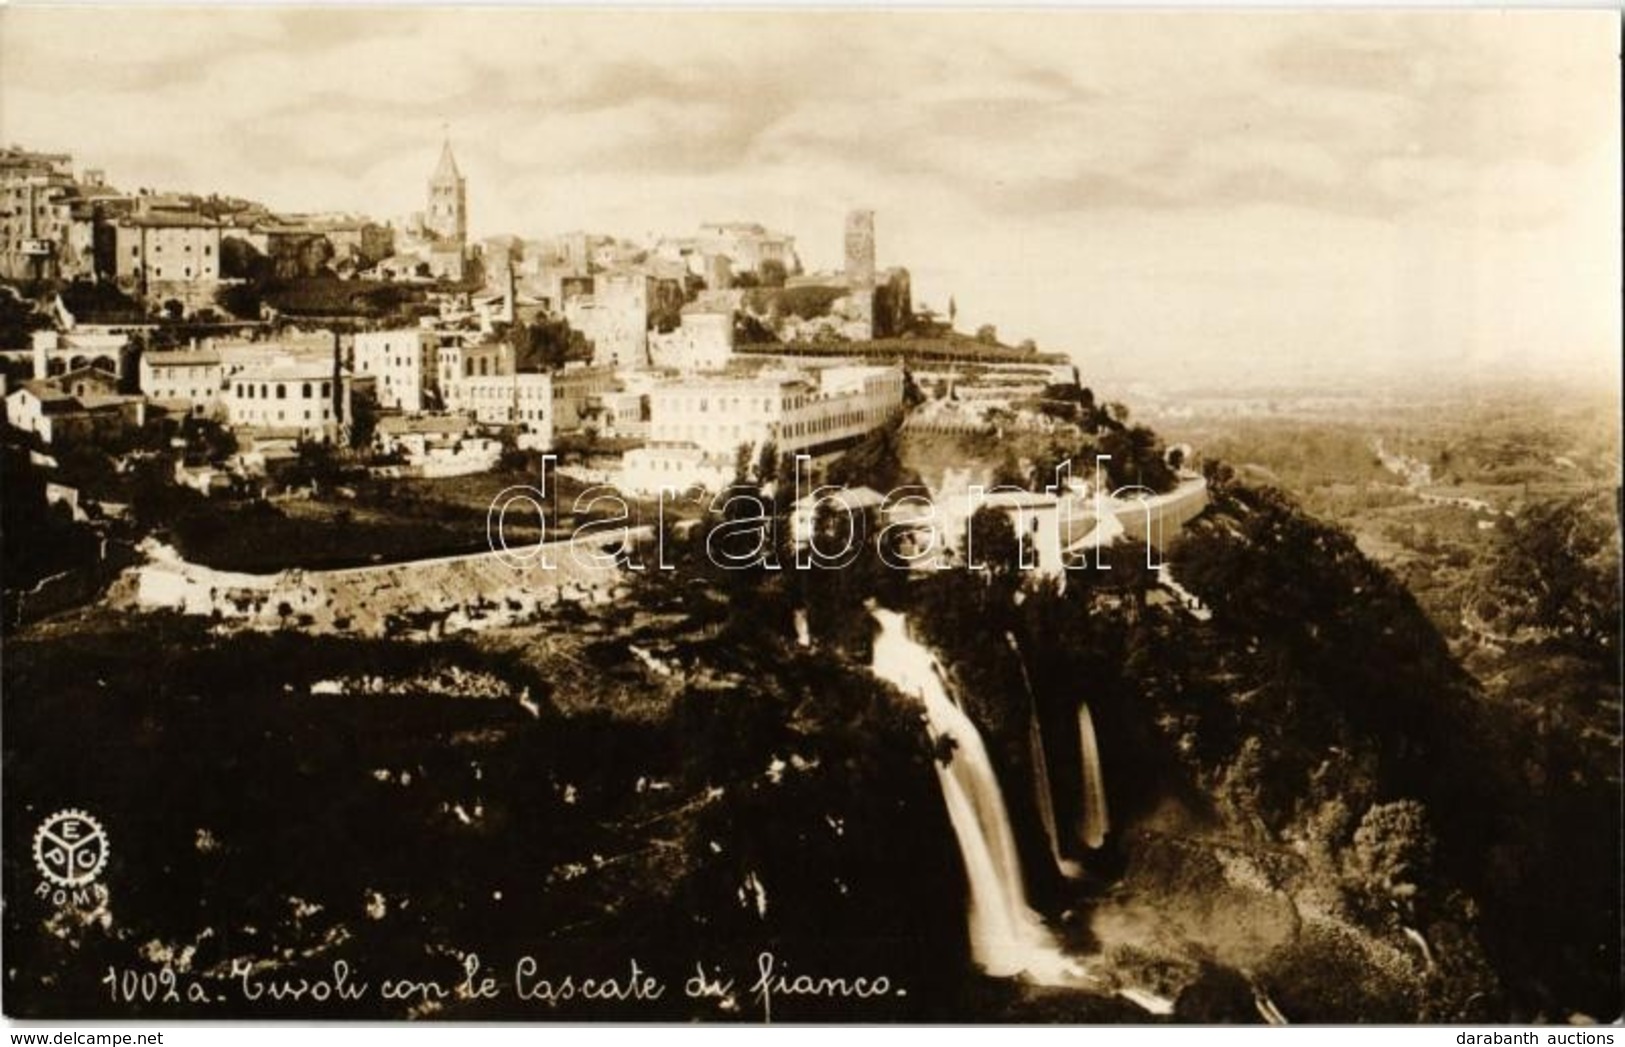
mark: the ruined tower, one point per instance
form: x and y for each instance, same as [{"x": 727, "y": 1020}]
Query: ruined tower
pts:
[{"x": 860, "y": 248}]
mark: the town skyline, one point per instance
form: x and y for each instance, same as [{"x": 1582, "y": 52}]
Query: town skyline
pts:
[{"x": 1360, "y": 194}]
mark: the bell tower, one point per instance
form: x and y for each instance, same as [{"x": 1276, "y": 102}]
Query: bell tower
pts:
[{"x": 447, "y": 213}]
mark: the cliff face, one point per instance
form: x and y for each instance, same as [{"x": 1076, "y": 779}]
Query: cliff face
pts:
[{"x": 1304, "y": 784}]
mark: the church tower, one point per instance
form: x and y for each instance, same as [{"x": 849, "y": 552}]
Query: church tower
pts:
[{"x": 447, "y": 213}]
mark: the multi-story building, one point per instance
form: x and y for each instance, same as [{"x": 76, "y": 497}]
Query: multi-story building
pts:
[
  {"x": 698, "y": 424},
  {"x": 540, "y": 405},
  {"x": 703, "y": 341},
  {"x": 579, "y": 393},
  {"x": 405, "y": 364},
  {"x": 521, "y": 400},
  {"x": 35, "y": 213},
  {"x": 56, "y": 415},
  {"x": 291, "y": 395},
  {"x": 460, "y": 357},
  {"x": 746, "y": 245},
  {"x": 294, "y": 241},
  {"x": 615, "y": 317},
  {"x": 189, "y": 381},
  {"x": 57, "y": 352},
  {"x": 162, "y": 254}
]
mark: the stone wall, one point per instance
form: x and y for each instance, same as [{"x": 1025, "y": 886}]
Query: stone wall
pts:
[{"x": 421, "y": 597}]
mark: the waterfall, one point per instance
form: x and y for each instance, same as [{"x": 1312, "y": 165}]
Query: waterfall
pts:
[
  {"x": 1006, "y": 936},
  {"x": 1096, "y": 821},
  {"x": 1045, "y": 796},
  {"x": 1266, "y": 1008}
]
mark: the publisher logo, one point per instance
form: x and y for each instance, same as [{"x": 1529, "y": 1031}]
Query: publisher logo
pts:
[{"x": 70, "y": 848}]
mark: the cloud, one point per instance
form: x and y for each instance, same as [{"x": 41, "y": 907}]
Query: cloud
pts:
[{"x": 1155, "y": 166}]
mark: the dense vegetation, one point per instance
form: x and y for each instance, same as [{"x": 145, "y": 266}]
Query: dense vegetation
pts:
[
  {"x": 256, "y": 821},
  {"x": 1331, "y": 791}
]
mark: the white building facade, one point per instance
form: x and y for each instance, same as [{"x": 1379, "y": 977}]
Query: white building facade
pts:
[
  {"x": 405, "y": 364},
  {"x": 290, "y": 394},
  {"x": 189, "y": 380},
  {"x": 697, "y": 425}
]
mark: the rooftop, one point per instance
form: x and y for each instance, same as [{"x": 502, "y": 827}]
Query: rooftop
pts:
[
  {"x": 398, "y": 424},
  {"x": 170, "y": 220},
  {"x": 182, "y": 358},
  {"x": 446, "y": 171}
]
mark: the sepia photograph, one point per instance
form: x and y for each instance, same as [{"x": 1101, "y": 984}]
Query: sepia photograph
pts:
[{"x": 810, "y": 516}]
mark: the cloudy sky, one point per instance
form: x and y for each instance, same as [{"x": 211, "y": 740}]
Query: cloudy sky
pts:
[{"x": 1166, "y": 196}]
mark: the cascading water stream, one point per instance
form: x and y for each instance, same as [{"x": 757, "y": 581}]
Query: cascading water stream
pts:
[
  {"x": 1096, "y": 822},
  {"x": 1007, "y": 938},
  {"x": 1045, "y": 795}
]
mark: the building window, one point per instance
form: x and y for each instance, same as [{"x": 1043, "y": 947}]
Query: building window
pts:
[
  {"x": 281, "y": 394},
  {"x": 305, "y": 394}
]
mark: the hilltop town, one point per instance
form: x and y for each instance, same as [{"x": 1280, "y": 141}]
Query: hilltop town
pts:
[
  {"x": 253, "y": 357},
  {"x": 264, "y": 553}
]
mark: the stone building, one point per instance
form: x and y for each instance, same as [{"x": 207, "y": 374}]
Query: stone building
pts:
[
  {"x": 58, "y": 352},
  {"x": 35, "y": 213},
  {"x": 56, "y": 416},
  {"x": 539, "y": 405},
  {"x": 615, "y": 317},
  {"x": 447, "y": 213},
  {"x": 188, "y": 381},
  {"x": 698, "y": 424},
  {"x": 860, "y": 249},
  {"x": 307, "y": 396},
  {"x": 405, "y": 365},
  {"x": 162, "y": 255},
  {"x": 703, "y": 341}
]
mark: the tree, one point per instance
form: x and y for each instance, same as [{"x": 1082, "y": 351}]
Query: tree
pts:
[
  {"x": 1393, "y": 852},
  {"x": 987, "y": 334},
  {"x": 1009, "y": 473},
  {"x": 767, "y": 464},
  {"x": 241, "y": 260},
  {"x": 772, "y": 273},
  {"x": 1136, "y": 459},
  {"x": 875, "y": 461},
  {"x": 1556, "y": 570},
  {"x": 363, "y": 421},
  {"x": 18, "y": 319},
  {"x": 991, "y": 540},
  {"x": 549, "y": 343},
  {"x": 210, "y": 440}
]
